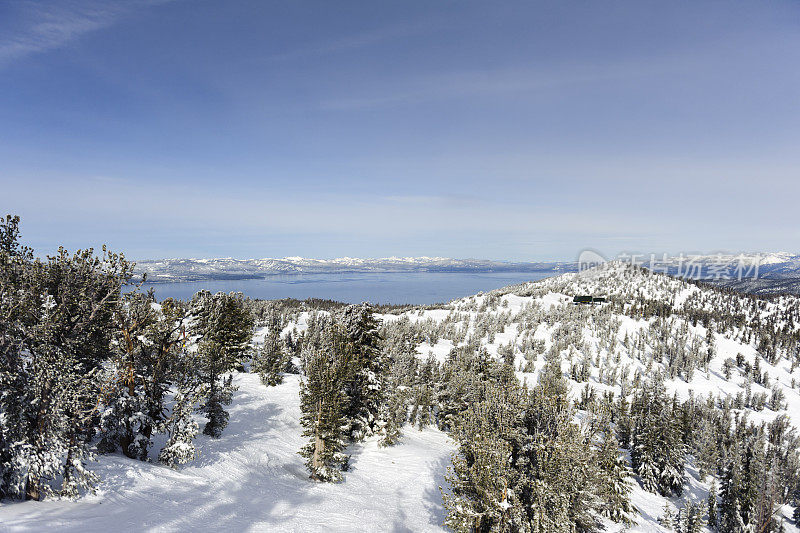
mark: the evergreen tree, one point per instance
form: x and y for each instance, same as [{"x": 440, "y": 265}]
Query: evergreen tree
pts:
[
  {"x": 731, "y": 518},
  {"x": 483, "y": 477},
  {"x": 690, "y": 517},
  {"x": 524, "y": 465},
  {"x": 55, "y": 331},
  {"x": 140, "y": 373},
  {"x": 366, "y": 389},
  {"x": 327, "y": 369},
  {"x": 711, "y": 506},
  {"x": 616, "y": 479},
  {"x": 270, "y": 361},
  {"x": 224, "y": 327},
  {"x": 180, "y": 427},
  {"x": 424, "y": 392},
  {"x": 658, "y": 452}
]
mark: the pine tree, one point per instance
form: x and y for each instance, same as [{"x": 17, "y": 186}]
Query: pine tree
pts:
[
  {"x": 270, "y": 361},
  {"x": 180, "y": 425},
  {"x": 730, "y": 505},
  {"x": 323, "y": 402},
  {"x": 658, "y": 452},
  {"x": 616, "y": 478},
  {"x": 423, "y": 407},
  {"x": 55, "y": 331},
  {"x": 668, "y": 518},
  {"x": 711, "y": 506},
  {"x": 224, "y": 325},
  {"x": 483, "y": 477},
  {"x": 690, "y": 517},
  {"x": 140, "y": 374},
  {"x": 523, "y": 464},
  {"x": 367, "y": 388},
  {"x": 219, "y": 389}
]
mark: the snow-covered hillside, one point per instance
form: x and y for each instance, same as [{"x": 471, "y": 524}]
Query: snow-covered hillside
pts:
[
  {"x": 738, "y": 350},
  {"x": 650, "y": 323}
]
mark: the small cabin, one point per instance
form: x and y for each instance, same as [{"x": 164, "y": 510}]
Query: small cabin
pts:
[{"x": 588, "y": 299}]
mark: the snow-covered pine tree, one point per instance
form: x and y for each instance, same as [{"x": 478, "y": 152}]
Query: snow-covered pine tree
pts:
[
  {"x": 180, "y": 425},
  {"x": 484, "y": 477},
  {"x": 182, "y": 429},
  {"x": 55, "y": 330},
  {"x": 327, "y": 369},
  {"x": 367, "y": 388},
  {"x": 140, "y": 372},
  {"x": 657, "y": 453},
  {"x": 270, "y": 361},
  {"x": 523, "y": 464},
  {"x": 223, "y": 324},
  {"x": 423, "y": 408},
  {"x": 711, "y": 505},
  {"x": 690, "y": 518},
  {"x": 560, "y": 466},
  {"x": 463, "y": 376},
  {"x": 218, "y": 388},
  {"x": 16, "y": 313},
  {"x": 746, "y": 502},
  {"x": 616, "y": 479}
]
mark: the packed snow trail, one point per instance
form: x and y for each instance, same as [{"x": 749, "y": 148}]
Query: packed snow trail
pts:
[{"x": 252, "y": 479}]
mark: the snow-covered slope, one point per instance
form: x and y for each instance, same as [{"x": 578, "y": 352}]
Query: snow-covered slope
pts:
[
  {"x": 618, "y": 340},
  {"x": 252, "y": 479}
]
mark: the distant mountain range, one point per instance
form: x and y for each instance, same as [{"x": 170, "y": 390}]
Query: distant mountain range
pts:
[
  {"x": 765, "y": 273},
  {"x": 172, "y": 270}
]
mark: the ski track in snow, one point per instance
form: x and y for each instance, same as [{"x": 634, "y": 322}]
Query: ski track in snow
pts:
[{"x": 252, "y": 479}]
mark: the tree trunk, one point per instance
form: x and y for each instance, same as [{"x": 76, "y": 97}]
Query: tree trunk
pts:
[
  {"x": 319, "y": 445},
  {"x": 32, "y": 488}
]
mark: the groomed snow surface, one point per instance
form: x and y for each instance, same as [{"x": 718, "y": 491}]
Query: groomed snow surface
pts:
[{"x": 252, "y": 479}]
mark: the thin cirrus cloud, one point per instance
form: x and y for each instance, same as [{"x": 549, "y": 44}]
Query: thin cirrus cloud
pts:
[
  {"x": 47, "y": 26},
  {"x": 492, "y": 82},
  {"x": 354, "y": 42}
]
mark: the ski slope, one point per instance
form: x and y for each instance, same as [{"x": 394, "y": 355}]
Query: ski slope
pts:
[{"x": 252, "y": 479}]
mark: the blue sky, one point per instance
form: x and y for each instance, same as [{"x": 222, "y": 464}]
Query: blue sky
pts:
[{"x": 501, "y": 130}]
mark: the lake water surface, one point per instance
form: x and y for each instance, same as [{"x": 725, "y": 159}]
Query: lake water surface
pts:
[{"x": 379, "y": 288}]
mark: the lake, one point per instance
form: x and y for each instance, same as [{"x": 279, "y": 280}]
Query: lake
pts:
[{"x": 378, "y": 288}]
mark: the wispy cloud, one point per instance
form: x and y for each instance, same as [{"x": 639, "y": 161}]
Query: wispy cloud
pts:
[
  {"x": 47, "y": 26},
  {"x": 355, "y": 41},
  {"x": 458, "y": 84},
  {"x": 521, "y": 79}
]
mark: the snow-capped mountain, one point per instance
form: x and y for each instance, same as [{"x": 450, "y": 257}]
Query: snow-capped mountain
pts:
[
  {"x": 758, "y": 273},
  {"x": 170, "y": 270}
]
